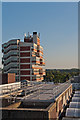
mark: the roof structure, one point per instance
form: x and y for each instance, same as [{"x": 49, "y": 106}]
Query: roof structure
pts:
[
  {"x": 43, "y": 93},
  {"x": 74, "y": 105},
  {"x": 73, "y": 112},
  {"x": 76, "y": 99}
]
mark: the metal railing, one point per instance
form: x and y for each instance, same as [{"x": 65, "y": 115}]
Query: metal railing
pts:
[{"x": 9, "y": 88}]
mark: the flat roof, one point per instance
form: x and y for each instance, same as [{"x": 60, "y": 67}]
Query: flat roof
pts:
[
  {"x": 45, "y": 92},
  {"x": 77, "y": 92},
  {"x": 70, "y": 118},
  {"x": 73, "y": 112},
  {"x": 74, "y": 105},
  {"x": 75, "y": 99},
  {"x": 76, "y": 95}
]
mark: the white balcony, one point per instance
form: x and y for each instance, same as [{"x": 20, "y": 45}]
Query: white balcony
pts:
[{"x": 35, "y": 60}]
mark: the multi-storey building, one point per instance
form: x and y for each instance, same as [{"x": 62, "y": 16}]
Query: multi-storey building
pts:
[
  {"x": 10, "y": 58},
  {"x": 29, "y": 60}
]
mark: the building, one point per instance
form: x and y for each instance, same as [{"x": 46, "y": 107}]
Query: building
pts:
[
  {"x": 76, "y": 82},
  {"x": 8, "y": 78},
  {"x": 41, "y": 101},
  {"x": 24, "y": 58},
  {"x": 10, "y": 58},
  {"x": 73, "y": 112}
]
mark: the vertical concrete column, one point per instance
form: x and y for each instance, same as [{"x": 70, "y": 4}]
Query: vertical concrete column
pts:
[
  {"x": 71, "y": 89},
  {"x": 69, "y": 92},
  {"x": 30, "y": 63},
  {"x": 57, "y": 106},
  {"x": 19, "y": 61},
  {"x": 64, "y": 100}
]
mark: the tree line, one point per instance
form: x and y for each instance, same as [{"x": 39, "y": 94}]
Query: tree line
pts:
[{"x": 60, "y": 76}]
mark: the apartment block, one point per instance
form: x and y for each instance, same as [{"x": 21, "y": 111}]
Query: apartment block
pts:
[
  {"x": 10, "y": 58},
  {"x": 24, "y": 58}
]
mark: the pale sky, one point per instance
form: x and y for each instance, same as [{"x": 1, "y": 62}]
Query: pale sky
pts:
[{"x": 56, "y": 22}]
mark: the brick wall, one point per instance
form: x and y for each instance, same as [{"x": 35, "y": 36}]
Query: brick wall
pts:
[
  {"x": 11, "y": 77},
  {"x": 24, "y": 48},
  {"x": 26, "y": 72},
  {"x": 25, "y": 60},
  {"x": 25, "y": 77},
  {"x": 24, "y": 66},
  {"x": 8, "y": 78},
  {"x": 27, "y": 54}
]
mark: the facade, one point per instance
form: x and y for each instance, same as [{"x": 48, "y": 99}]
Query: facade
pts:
[
  {"x": 10, "y": 58},
  {"x": 8, "y": 78},
  {"x": 73, "y": 112},
  {"x": 24, "y": 58},
  {"x": 39, "y": 105}
]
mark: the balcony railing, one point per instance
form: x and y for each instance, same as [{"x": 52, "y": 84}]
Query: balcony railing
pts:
[
  {"x": 11, "y": 53},
  {"x": 36, "y": 60}
]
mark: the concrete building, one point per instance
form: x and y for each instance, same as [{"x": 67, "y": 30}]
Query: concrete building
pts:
[
  {"x": 10, "y": 58},
  {"x": 73, "y": 112},
  {"x": 76, "y": 82},
  {"x": 8, "y": 78},
  {"x": 41, "y": 101},
  {"x": 24, "y": 58}
]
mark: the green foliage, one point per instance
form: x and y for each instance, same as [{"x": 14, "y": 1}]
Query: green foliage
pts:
[{"x": 60, "y": 76}]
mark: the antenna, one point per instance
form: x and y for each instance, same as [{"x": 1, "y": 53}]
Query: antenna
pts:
[
  {"x": 28, "y": 34},
  {"x": 39, "y": 35},
  {"x": 25, "y": 35}
]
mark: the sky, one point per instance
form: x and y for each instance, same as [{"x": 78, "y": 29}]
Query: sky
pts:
[
  {"x": 40, "y": 0},
  {"x": 0, "y": 33},
  {"x": 57, "y": 23}
]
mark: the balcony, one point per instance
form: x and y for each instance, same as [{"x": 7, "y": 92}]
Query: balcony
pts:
[
  {"x": 35, "y": 71},
  {"x": 11, "y": 54},
  {"x": 2, "y": 62},
  {"x": 35, "y": 60},
  {"x": 41, "y": 78},
  {"x": 12, "y": 65},
  {"x": 2, "y": 50},
  {"x": 40, "y": 48},
  {"x": 12, "y": 47},
  {"x": 36, "y": 78},
  {"x": 34, "y": 48},
  {"x": 42, "y": 61},
  {"x": 11, "y": 42},
  {"x": 42, "y": 72},
  {"x": 33, "y": 54}
]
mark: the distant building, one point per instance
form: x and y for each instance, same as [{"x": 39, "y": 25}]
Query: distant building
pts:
[
  {"x": 10, "y": 58},
  {"x": 25, "y": 59}
]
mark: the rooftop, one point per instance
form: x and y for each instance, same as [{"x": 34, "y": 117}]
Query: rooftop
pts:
[
  {"x": 43, "y": 93},
  {"x": 73, "y": 112}
]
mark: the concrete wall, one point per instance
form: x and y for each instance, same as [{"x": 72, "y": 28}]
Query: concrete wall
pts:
[
  {"x": 76, "y": 86},
  {"x": 8, "y": 78},
  {"x": 24, "y": 114},
  {"x": 56, "y": 108},
  {"x": 52, "y": 112}
]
